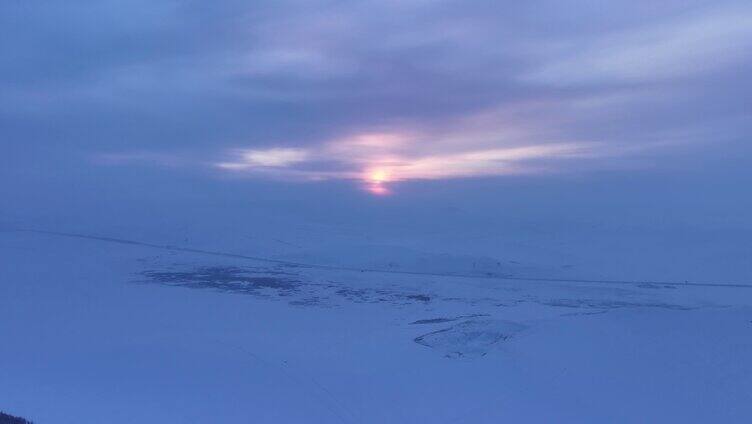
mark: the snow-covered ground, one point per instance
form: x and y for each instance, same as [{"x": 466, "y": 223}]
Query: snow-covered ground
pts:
[{"x": 97, "y": 330}]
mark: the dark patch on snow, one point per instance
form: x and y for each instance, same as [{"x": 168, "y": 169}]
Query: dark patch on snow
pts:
[
  {"x": 609, "y": 304},
  {"x": 574, "y": 314},
  {"x": 473, "y": 338},
  {"x": 380, "y": 296},
  {"x": 443, "y": 320},
  {"x": 230, "y": 279},
  {"x": 355, "y": 295},
  {"x": 419, "y": 297},
  {"x": 274, "y": 284},
  {"x": 433, "y": 321},
  {"x": 655, "y": 286},
  {"x": 309, "y": 301}
]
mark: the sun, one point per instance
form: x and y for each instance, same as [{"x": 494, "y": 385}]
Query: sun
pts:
[
  {"x": 376, "y": 182},
  {"x": 379, "y": 176}
]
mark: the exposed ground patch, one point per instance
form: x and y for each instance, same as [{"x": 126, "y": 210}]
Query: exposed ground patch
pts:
[
  {"x": 276, "y": 283},
  {"x": 231, "y": 279}
]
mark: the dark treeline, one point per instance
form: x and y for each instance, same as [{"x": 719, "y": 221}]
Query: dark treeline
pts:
[{"x": 10, "y": 419}]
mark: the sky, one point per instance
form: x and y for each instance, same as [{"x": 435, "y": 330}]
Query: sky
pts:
[{"x": 444, "y": 101}]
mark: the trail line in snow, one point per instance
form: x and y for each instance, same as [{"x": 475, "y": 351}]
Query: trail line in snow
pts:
[
  {"x": 329, "y": 401},
  {"x": 374, "y": 270}
]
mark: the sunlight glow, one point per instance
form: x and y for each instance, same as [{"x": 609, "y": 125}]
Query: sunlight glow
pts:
[
  {"x": 378, "y": 189},
  {"x": 379, "y": 176},
  {"x": 378, "y": 160}
]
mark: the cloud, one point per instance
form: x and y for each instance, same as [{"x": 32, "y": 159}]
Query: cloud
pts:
[
  {"x": 681, "y": 47},
  {"x": 321, "y": 90},
  {"x": 267, "y": 158}
]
